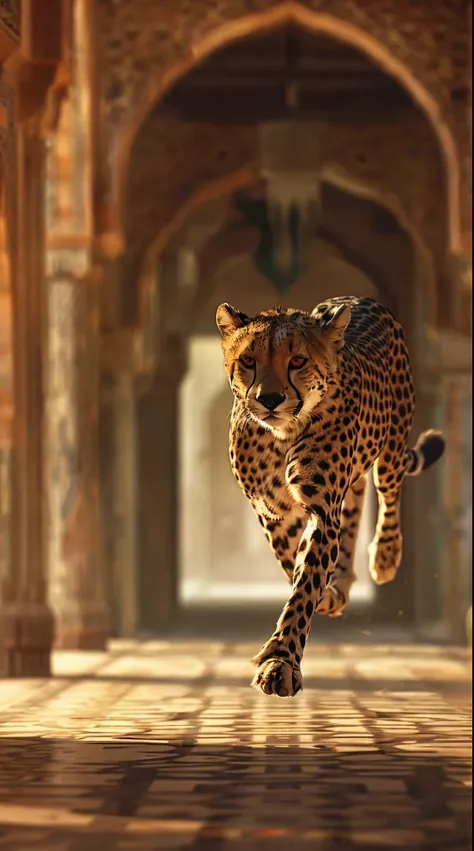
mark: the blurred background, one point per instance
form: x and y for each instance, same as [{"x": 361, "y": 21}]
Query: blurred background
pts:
[{"x": 157, "y": 159}]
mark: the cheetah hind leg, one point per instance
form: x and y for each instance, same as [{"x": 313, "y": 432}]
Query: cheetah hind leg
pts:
[
  {"x": 336, "y": 595},
  {"x": 385, "y": 551}
]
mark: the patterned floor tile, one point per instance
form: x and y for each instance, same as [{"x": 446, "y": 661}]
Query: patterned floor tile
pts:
[{"x": 164, "y": 745}]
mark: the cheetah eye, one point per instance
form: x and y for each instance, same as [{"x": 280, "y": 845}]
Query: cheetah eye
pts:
[
  {"x": 297, "y": 361},
  {"x": 247, "y": 361}
]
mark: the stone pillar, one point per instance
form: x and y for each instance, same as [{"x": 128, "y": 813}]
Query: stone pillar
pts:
[
  {"x": 157, "y": 424},
  {"x": 422, "y": 504},
  {"x": 425, "y": 514},
  {"x": 77, "y": 583},
  {"x": 457, "y": 580},
  {"x": 447, "y": 487},
  {"x": 6, "y": 385},
  {"x": 26, "y": 622},
  {"x": 157, "y": 503},
  {"x": 75, "y": 565},
  {"x": 119, "y": 499}
]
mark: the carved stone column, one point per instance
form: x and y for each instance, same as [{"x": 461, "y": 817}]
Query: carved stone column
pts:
[
  {"x": 157, "y": 424},
  {"x": 26, "y": 622},
  {"x": 157, "y": 503},
  {"x": 77, "y": 586},
  {"x": 414, "y": 598},
  {"x": 425, "y": 513},
  {"x": 456, "y": 486},
  {"x": 6, "y": 376},
  {"x": 119, "y": 498},
  {"x": 75, "y": 565}
]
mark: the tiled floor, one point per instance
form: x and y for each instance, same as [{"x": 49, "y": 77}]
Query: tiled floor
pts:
[{"x": 164, "y": 745}]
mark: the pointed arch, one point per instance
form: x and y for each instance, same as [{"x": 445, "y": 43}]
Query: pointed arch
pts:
[
  {"x": 247, "y": 177},
  {"x": 313, "y": 22}
]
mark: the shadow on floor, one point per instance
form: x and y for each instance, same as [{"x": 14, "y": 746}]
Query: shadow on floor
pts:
[
  {"x": 139, "y": 794},
  {"x": 358, "y": 684}
]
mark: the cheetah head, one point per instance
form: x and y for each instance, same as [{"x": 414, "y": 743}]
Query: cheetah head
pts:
[{"x": 280, "y": 363}]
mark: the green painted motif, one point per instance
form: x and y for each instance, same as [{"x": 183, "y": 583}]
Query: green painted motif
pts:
[{"x": 256, "y": 215}]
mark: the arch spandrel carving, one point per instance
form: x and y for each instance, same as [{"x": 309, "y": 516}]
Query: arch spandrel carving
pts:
[
  {"x": 190, "y": 156},
  {"x": 431, "y": 41},
  {"x": 424, "y": 46},
  {"x": 10, "y": 15}
]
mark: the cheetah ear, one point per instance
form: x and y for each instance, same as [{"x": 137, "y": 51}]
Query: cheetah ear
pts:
[
  {"x": 333, "y": 328},
  {"x": 229, "y": 319}
]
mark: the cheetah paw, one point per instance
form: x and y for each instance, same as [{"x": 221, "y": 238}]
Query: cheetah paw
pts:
[
  {"x": 333, "y": 602},
  {"x": 276, "y": 676},
  {"x": 384, "y": 561}
]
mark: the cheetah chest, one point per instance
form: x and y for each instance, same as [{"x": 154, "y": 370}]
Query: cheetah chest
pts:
[{"x": 260, "y": 472}]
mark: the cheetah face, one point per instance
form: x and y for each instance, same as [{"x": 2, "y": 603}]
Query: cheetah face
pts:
[{"x": 280, "y": 362}]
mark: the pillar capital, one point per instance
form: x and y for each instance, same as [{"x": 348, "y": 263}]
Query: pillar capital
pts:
[{"x": 31, "y": 80}]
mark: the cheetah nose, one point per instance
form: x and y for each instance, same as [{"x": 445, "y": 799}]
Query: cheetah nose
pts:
[{"x": 270, "y": 401}]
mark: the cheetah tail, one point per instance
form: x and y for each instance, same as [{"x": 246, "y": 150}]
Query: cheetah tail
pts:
[{"x": 428, "y": 449}]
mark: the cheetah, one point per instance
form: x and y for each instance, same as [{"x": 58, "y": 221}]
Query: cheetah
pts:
[{"x": 320, "y": 399}]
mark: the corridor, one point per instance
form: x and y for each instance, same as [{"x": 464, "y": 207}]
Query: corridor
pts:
[{"x": 163, "y": 745}]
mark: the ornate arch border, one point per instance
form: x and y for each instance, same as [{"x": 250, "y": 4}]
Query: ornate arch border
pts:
[{"x": 313, "y": 22}]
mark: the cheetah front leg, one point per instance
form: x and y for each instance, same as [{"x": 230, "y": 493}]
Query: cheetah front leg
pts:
[
  {"x": 284, "y": 536},
  {"x": 278, "y": 662},
  {"x": 337, "y": 592}
]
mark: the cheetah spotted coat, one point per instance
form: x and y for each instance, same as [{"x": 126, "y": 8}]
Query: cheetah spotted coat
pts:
[{"x": 348, "y": 409}]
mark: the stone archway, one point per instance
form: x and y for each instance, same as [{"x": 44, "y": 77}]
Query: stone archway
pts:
[
  {"x": 240, "y": 169},
  {"x": 372, "y": 37},
  {"x": 189, "y": 159},
  {"x": 223, "y": 158},
  {"x": 331, "y": 174}
]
